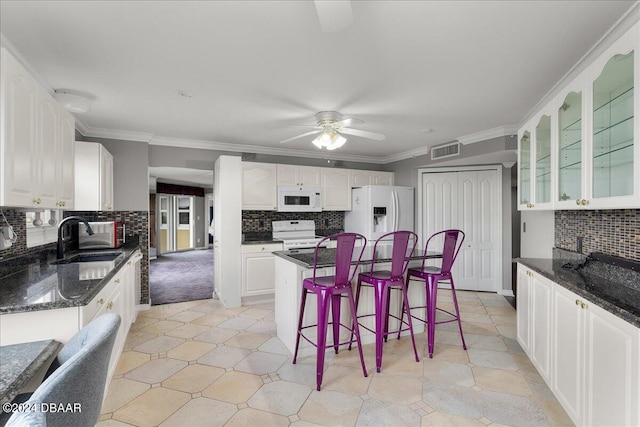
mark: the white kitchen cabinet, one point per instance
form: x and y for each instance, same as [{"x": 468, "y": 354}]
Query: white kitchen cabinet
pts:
[
  {"x": 613, "y": 178},
  {"x": 35, "y": 139},
  {"x": 361, "y": 178},
  {"x": 535, "y": 173},
  {"x": 523, "y": 312},
  {"x": 93, "y": 177},
  {"x": 259, "y": 186},
  {"x": 540, "y": 295},
  {"x": 534, "y": 318},
  {"x": 595, "y": 359},
  {"x": 595, "y": 156},
  {"x": 382, "y": 178},
  {"x": 336, "y": 189},
  {"x": 589, "y": 357},
  {"x": 258, "y": 268},
  {"x": 298, "y": 175}
]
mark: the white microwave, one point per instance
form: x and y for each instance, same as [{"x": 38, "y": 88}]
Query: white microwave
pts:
[{"x": 299, "y": 199}]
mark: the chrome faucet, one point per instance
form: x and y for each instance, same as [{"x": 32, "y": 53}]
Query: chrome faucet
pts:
[{"x": 60, "y": 246}]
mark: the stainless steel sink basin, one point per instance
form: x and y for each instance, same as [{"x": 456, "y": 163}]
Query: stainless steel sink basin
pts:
[{"x": 90, "y": 257}]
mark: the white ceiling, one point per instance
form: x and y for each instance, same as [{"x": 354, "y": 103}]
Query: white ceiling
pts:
[{"x": 254, "y": 68}]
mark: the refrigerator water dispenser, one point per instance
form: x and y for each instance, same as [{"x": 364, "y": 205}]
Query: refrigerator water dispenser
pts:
[{"x": 380, "y": 219}]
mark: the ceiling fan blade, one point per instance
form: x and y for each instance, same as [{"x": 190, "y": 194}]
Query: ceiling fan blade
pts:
[
  {"x": 348, "y": 121},
  {"x": 363, "y": 134},
  {"x": 334, "y": 15},
  {"x": 300, "y": 136}
]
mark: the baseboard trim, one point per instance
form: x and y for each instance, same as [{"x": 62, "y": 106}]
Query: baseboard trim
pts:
[{"x": 507, "y": 293}]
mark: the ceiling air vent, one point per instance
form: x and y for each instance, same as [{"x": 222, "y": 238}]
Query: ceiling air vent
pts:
[{"x": 447, "y": 150}]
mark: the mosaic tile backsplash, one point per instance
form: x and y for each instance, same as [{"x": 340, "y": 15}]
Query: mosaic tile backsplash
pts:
[
  {"x": 612, "y": 232},
  {"x": 18, "y": 221},
  {"x": 136, "y": 222},
  {"x": 260, "y": 221}
]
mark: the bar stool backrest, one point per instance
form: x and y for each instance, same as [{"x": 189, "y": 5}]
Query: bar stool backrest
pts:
[
  {"x": 399, "y": 257},
  {"x": 453, "y": 240},
  {"x": 345, "y": 244}
]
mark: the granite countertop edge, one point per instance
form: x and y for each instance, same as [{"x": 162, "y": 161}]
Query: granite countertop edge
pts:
[
  {"x": 326, "y": 257},
  {"x": 261, "y": 242},
  {"x": 542, "y": 267},
  {"x": 82, "y": 300}
]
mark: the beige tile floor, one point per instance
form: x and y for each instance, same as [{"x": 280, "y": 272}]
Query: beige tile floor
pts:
[{"x": 199, "y": 364}]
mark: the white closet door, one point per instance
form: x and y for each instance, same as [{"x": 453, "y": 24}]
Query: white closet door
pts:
[{"x": 469, "y": 201}]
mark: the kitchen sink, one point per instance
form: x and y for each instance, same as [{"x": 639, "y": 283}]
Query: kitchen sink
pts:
[{"x": 90, "y": 257}]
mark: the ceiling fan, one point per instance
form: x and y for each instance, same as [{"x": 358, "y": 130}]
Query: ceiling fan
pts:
[{"x": 330, "y": 127}]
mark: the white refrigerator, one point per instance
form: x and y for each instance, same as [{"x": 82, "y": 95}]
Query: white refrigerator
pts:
[{"x": 379, "y": 209}]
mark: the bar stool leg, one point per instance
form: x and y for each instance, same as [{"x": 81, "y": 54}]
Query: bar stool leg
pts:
[
  {"x": 358, "y": 286},
  {"x": 455, "y": 304},
  {"x": 354, "y": 318},
  {"x": 432, "y": 290},
  {"x": 303, "y": 300},
  {"x": 405, "y": 306},
  {"x": 381, "y": 317},
  {"x": 335, "y": 317},
  {"x": 321, "y": 340}
]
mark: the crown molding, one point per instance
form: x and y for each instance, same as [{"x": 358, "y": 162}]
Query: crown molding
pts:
[
  {"x": 126, "y": 135},
  {"x": 488, "y": 134},
  {"x": 244, "y": 148}
]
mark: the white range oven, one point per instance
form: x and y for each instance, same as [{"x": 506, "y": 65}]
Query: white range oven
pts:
[
  {"x": 297, "y": 234},
  {"x": 299, "y": 199}
]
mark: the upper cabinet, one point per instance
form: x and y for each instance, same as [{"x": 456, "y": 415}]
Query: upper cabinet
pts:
[
  {"x": 614, "y": 174},
  {"x": 94, "y": 177},
  {"x": 535, "y": 171},
  {"x": 336, "y": 189},
  {"x": 36, "y": 141},
  {"x": 298, "y": 175},
  {"x": 259, "y": 186},
  {"x": 580, "y": 151},
  {"x": 360, "y": 178}
]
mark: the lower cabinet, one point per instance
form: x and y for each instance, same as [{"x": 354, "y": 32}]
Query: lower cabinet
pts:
[
  {"x": 590, "y": 358},
  {"x": 259, "y": 269}
]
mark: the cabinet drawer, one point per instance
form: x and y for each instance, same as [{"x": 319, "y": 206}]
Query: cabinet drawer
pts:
[
  {"x": 258, "y": 249},
  {"x": 89, "y": 311}
]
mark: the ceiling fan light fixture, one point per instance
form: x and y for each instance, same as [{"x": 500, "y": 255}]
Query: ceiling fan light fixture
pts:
[{"x": 329, "y": 139}]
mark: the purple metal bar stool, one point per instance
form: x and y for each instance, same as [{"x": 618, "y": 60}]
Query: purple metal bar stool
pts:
[
  {"x": 383, "y": 281},
  {"x": 432, "y": 275},
  {"x": 329, "y": 290}
]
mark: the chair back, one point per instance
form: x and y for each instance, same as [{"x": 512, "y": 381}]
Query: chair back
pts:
[
  {"x": 345, "y": 244},
  {"x": 80, "y": 377},
  {"x": 399, "y": 257},
  {"x": 453, "y": 240}
]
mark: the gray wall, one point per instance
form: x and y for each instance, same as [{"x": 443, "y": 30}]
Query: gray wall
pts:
[
  {"x": 200, "y": 221},
  {"x": 130, "y": 173}
]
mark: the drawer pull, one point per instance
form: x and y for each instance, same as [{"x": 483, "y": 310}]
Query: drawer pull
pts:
[
  {"x": 100, "y": 301},
  {"x": 110, "y": 305}
]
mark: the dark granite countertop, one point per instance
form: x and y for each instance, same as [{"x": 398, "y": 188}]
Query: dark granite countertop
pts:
[
  {"x": 611, "y": 288},
  {"x": 20, "y": 362},
  {"x": 327, "y": 256},
  {"x": 41, "y": 285}
]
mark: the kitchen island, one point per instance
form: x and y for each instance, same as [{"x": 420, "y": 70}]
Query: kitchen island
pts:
[{"x": 293, "y": 266}]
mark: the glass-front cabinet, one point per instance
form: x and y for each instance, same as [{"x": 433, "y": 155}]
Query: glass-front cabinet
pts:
[
  {"x": 570, "y": 188},
  {"x": 524, "y": 168},
  {"x": 614, "y": 177},
  {"x": 535, "y": 170}
]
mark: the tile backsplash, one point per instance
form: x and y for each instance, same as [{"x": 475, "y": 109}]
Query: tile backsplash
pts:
[
  {"x": 612, "y": 232},
  {"x": 17, "y": 220},
  {"x": 260, "y": 221}
]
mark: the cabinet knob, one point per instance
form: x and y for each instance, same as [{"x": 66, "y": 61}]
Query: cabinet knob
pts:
[
  {"x": 578, "y": 202},
  {"x": 100, "y": 301},
  {"x": 37, "y": 201},
  {"x": 577, "y": 302},
  {"x": 110, "y": 305},
  {"x": 129, "y": 263},
  {"x": 584, "y": 202},
  {"x": 117, "y": 280},
  {"x": 583, "y": 305}
]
